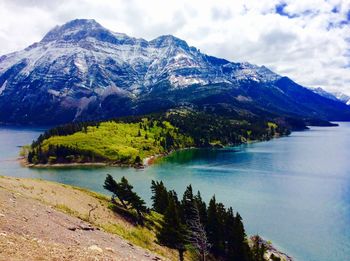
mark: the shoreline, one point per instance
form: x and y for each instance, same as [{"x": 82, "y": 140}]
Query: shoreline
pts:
[
  {"x": 271, "y": 249},
  {"x": 24, "y": 163},
  {"x": 148, "y": 161}
]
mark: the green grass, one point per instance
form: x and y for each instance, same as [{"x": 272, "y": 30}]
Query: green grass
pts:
[
  {"x": 121, "y": 142},
  {"x": 67, "y": 210},
  {"x": 143, "y": 236},
  {"x": 137, "y": 235}
]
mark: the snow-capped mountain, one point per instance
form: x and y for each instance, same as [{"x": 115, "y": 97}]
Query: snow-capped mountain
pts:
[
  {"x": 324, "y": 93},
  {"x": 336, "y": 96},
  {"x": 342, "y": 97},
  {"x": 81, "y": 70}
]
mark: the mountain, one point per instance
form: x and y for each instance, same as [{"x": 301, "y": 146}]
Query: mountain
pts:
[
  {"x": 343, "y": 97},
  {"x": 82, "y": 71},
  {"x": 325, "y": 94},
  {"x": 336, "y": 96}
]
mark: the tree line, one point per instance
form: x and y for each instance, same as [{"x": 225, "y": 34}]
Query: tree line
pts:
[
  {"x": 202, "y": 126},
  {"x": 61, "y": 154},
  {"x": 64, "y": 130},
  {"x": 204, "y": 129},
  {"x": 188, "y": 223}
]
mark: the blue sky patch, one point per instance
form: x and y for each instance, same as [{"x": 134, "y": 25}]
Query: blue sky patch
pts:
[{"x": 279, "y": 9}]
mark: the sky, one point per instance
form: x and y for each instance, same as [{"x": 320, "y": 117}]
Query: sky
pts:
[{"x": 306, "y": 40}]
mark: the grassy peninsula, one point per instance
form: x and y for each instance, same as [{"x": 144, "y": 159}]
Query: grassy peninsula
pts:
[
  {"x": 128, "y": 141},
  {"x": 113, "y": 142}
]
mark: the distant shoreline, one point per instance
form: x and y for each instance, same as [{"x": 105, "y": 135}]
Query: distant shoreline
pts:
[
  {"x": 24, "y": 163},
  {"x": 148, "y": 161}
]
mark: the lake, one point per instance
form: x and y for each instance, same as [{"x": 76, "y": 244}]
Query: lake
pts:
[{"x": 294, "y": 191}]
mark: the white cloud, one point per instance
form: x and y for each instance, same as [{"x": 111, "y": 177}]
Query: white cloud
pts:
[{"x": 307, "y": 41}]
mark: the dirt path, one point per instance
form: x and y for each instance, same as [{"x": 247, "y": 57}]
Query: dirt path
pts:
[{"x": 31, "y": 227}]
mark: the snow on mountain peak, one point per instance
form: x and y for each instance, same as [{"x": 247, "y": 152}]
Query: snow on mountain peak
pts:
[
  {"x": 82, "y": 29},
  {"x": 81, "y": 68},
  {"x": 336, "y": 96},
  {"x": 71, "y": 28},
  {"x": 82, "y": 58},
  {"x": 167, "y": 40}
]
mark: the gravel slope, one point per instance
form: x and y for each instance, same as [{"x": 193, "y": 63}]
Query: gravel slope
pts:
[{"x": 32, "y": 229}]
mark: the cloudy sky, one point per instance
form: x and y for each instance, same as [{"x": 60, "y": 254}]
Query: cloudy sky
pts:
[{"x": 307, "y": 40}]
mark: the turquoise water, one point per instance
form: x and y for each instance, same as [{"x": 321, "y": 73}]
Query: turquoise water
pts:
[{"x": 294, "y": 190}]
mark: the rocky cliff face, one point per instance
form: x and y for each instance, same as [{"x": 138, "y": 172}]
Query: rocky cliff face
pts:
[{"x": 81, "y": 70}]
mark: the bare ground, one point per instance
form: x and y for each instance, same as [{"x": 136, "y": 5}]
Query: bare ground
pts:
[{"x": 33, "y": 225}]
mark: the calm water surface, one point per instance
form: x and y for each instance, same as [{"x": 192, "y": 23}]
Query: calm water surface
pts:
[{"x": 294, "y": 191}]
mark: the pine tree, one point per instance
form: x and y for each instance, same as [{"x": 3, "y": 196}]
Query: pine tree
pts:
[
  {"x": 238, "y": 244},
  {"x": 159, "y": 197},
  {"x": 202, "y": 208},
  {"x": 214, "y": 227},
  {"x": 131, "y": 197},
  {"x": 233, "y": 248},
  {"x": 138, "y": 204},
  {"x": 187, "y": 204},
  {"x": 172, "y": 231},
  {"x": 123, "y": 190},
  {"x": 111, "y": 185},
  {"x": 197, "y": 235}
]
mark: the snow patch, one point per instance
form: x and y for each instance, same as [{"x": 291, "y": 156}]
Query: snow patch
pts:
[
  {"x": 3, "y": 86},
  {"x": 54, "y": 92},
  {"x": 182, "y": 81},
  {"x": 80, "y": 63}
]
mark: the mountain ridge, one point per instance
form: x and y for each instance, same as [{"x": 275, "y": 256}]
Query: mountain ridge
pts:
[
  {"x": 337, "y": 96},
  {"x": 83, "y": 71}
]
